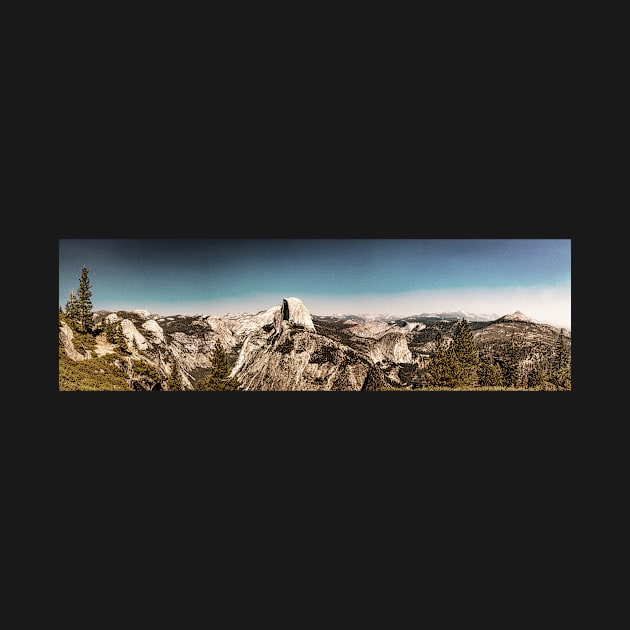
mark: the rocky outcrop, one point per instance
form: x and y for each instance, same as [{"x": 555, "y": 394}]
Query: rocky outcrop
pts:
[
  {"x": 65, "y": 339},
  {"x": 297, "y": 359},
  {"x": 517, "y": 316},
  {"x": 132, "y": 335},
  {"x": 370, "y": 330},
  {"x": 284, "y": 348},
  {"x": 286, "y": 353},
  {"x": 155, "y": 330},
  {"x": 391, "y": 348},
  {"x": 293, "y": 311}
]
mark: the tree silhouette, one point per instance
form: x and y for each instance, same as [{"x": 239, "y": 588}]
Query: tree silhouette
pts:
[
  {"x": 466, "y": 355},
  {"x": 511, "y": 375},
  {"x": 72, "y": 310},
  {"x": 561, "y": 363},
  {"x": 174, "y": 380},
  {"x": 443, "y": 369},
  {"x": 219, "y": 378},
  {"x": 489, "y": 373}
]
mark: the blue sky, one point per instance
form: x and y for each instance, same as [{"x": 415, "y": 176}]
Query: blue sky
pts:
[{"x": 395, "y": 276}]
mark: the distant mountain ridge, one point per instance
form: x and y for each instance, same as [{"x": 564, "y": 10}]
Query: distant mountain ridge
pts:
[
  {"x": 441, "y": 315},
  {"x": 474, "y": 317}
]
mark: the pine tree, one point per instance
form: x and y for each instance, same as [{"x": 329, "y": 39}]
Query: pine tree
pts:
[
  {"x": 219, "y": 378},
  {"x": 561, "y": 363},
  {"x": 84, "y": 303},
  {"x": 174, "y": 380},
  {"x": 466, "y": 355},
  {"x": 489, "y": 373},
  {"x": 444, "y": 369},
  {"x": 511, "y": 371},
  {"x": 539, "y": 376},
  {"x": 114, "y": 334},
  {"x": 535, "y": 377},
  {"x": 72, "y": 310},
  {"x": 119, "y": 337}
]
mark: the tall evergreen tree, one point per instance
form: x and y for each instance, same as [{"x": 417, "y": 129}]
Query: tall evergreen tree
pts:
[
  {"x": 174, "y": 380},
  {"x": 219, "y": 378},
  {"x": 72, "y": 310},
  {"x": 511, "y": 367},
  {"x": 466, "y": 354},
  {"x": 108, "y": 330},
  {"x": 114, "y": 334},
  {"x": 444, "y": 369},
  {"x": 489, "y": 373},
  {"x": 84, "y": 302},
  {"x": 561, "y": 363},
  {"x": 535, "y": 377}
]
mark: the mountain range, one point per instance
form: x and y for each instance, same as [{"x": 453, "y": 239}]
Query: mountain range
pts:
[{"x": 286, "y": 348}]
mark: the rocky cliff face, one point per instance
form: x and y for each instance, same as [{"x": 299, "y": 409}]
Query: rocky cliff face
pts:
[
  {"x": 392, "y": 347},
  {"x": 279, "y": 349},
  {"x": 292, "y": 356},
  {"x": 293, "y": 311},
  {"x": 285, "y": 348},
  {"x": 65, "y": 339},
  {"x": 182, "y": 341},
  {"x": 298, "y": 360}
]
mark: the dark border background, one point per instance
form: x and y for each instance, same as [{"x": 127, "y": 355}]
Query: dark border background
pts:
[
  {"x": 487, "y": 136},
  {"x": 491, "y": 176}
]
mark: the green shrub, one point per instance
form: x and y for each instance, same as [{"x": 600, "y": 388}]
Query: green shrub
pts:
[{"x": 99, "y": 374}]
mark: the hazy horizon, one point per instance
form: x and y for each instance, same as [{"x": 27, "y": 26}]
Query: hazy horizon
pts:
[{"x": 398, "y": 277}]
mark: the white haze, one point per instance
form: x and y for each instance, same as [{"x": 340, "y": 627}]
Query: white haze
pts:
[{"x": 548, "y": 304}]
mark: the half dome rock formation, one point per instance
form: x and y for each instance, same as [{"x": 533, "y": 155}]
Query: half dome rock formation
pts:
[
  {"x": 293, "y": 311},
  {"x": 291, "y": 355}
]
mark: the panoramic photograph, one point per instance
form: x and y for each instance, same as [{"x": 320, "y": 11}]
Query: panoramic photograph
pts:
[{"x": 415, "y": 315}]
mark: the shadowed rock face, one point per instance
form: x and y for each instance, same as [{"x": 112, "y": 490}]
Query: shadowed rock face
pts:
[{"x": 293, "y": 311}]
